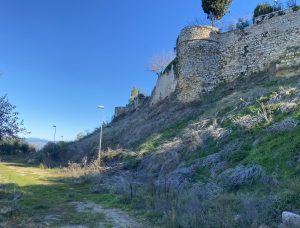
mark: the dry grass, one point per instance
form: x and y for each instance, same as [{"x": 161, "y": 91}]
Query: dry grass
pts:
[{"x": 82, "y": 171}]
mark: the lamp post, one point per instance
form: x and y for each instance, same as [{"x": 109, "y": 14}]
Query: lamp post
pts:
[
  {"x": 100, "y": 141},
  {"x": 49, "y": 164},
  {"x": 54, "y": 133}
]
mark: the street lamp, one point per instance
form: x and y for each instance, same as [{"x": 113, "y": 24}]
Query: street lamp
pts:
[
  {"x": 100, "y": 142},
  {"x": 54, "y": 133}
]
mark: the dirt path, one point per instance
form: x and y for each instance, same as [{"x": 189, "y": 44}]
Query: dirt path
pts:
[{"x": 115, "y": 217}]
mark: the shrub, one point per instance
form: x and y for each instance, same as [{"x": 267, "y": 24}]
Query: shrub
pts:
[
  {"x": 53, "y": 153},
  {"x": 262, "y": 9},
  {"x": 85, "y": 172},
  {"x": 296, "y": 8},
  {"x": 231, "y": 27},
  {"x": 242, "y": 23},
  {"x": 12, "y": 146}
]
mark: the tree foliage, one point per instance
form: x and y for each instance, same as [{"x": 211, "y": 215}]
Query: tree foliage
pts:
[
  {"x": 242, "y": 23},
  {"x": 215, "y": 9},
  {"x": 262, "y": 9},
  {"x": 134, "y": 93},
  {"x": 80, "y": 136},
  {"x": 53, "y": 154},
  {"x": 15, "y": 146},
  {"x": 10, "y": 125}
]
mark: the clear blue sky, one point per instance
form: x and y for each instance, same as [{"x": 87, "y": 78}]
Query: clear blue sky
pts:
[{"x": 60, "y": 59}]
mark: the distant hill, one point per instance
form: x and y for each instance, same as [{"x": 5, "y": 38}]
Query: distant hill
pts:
[{"x": 37, "y": 142}]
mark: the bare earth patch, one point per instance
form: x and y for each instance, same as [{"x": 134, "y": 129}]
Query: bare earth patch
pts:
[{"x": 115, "y": 217}]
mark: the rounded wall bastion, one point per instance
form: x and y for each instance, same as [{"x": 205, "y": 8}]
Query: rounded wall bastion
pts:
[
  {"x": 198, "y": 54},
  {"x": 191, "y": 33}
]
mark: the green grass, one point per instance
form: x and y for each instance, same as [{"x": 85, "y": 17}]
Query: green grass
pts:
[
  {"x": 296, "y": 114},
  {"x": 49, "y": 192},
  {"x": 202, "y": 175},
  {"x": 275, "y": 151}
]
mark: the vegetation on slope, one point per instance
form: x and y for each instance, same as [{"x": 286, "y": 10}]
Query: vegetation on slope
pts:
[
  {"x": 259, "y": 133},
  {"x": 236, "y": 163}
]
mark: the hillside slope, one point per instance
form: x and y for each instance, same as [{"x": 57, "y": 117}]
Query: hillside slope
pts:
[{"x": 231, "y": 160}]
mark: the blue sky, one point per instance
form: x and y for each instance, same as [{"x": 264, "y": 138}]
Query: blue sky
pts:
[{"x": 60, "y": 59}]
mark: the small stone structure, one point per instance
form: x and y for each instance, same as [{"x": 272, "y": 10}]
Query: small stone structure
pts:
[{"x": 137, "y": 102}]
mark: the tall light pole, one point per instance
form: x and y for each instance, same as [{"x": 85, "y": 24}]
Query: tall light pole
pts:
[
  {"x": 49, "y": 164},
  {"x": 100, "y": 142},
  {"x": 54, "y": 133}
]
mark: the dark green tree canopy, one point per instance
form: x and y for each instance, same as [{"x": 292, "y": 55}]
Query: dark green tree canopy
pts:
[
  {"x": 262, "y": 9},
  {"x": 10, "y": 125},
  {"x": 215, "y": 9}
]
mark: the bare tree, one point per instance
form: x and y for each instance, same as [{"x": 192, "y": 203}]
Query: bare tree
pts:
[
  {"x": 160, "y": 61},
  {"x": 204, "y": 21},
  {"x": 201, "y": 20}
]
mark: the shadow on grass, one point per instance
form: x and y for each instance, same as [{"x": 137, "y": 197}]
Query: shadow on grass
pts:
[
  {"x": 20, "y": 164},
  {"x": 16, "y": 159}
]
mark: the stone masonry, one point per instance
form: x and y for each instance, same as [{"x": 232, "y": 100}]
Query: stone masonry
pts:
[
  {"x": 165, "y": 86},
  {"x": 207, "y": 57},
  {"x": 137, "y": 103}
]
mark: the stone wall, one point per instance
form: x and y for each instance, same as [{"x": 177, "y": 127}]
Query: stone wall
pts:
[
  {"x": 207, "y": 57},
  {"x": 165, "y": 86},
  {"x": 198, "y": 51},
  {"x": 137, "y": 103}
]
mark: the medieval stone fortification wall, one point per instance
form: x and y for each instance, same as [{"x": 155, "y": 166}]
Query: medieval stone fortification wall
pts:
[
  {"x": 206, "y": 57},
  {"x": 165, "y": 86}
]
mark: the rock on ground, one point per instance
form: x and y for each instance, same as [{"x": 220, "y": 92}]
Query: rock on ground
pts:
[
  {"x": 284, "y": 125},
  {"x": 290, "y": 219}
]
